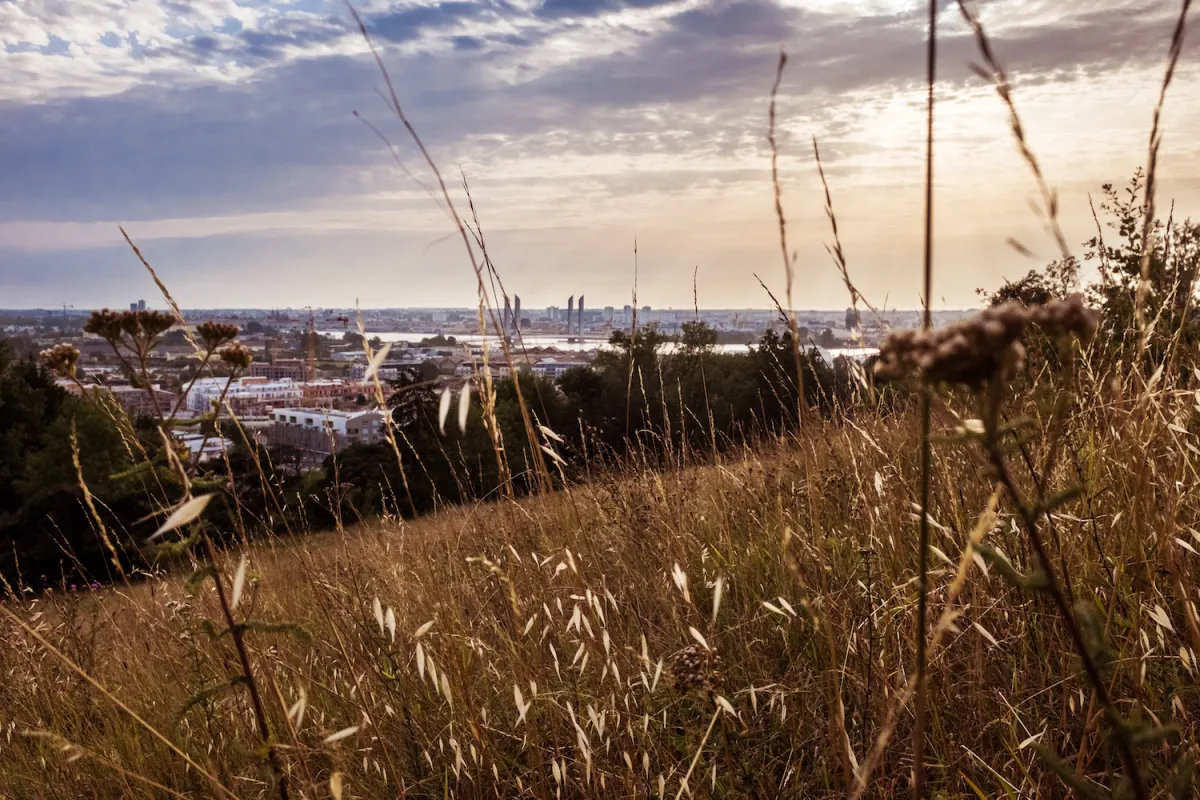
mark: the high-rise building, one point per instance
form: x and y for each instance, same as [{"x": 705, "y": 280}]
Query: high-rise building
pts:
[
  {"x": 570, "y": 312},
  {"x": 133, "y": 307},
  {"x": 516, "y": 313},
  {"x": 506, "y": 320},
  {"x": 608, "y": 313},
  {"x": 579, "y": 324},
  {"x": 141, "y": 305}
]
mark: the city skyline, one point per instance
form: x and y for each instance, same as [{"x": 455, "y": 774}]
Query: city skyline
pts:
[
  {"x": 222, "y": 135},
  {"x": 536, "y": 310}
]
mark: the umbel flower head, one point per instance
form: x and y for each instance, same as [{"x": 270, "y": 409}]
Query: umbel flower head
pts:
[
  {"x": 987, "y": 346},
  {"x": 236, "y": 355},
  {"x": 693, "y": 667},
  {"x": 62, "y": 358},
  {"x": 141, "y": 327},
  {"x": 146, "y": 326},
  {"x": 215, "y": 334},
  {"x": 105, "y": 324}
]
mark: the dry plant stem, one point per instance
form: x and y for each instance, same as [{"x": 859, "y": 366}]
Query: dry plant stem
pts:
[
  {"x": 1029, "y": 520},
  {"x": 712, "y": 429},
  {"x": 389, "y": 433},
  {"x": 837, "y": 252},
  {"x": 239, "y": 644},
  {"x": 945, "y": 620},
  {"x": 788, "y": 266},
  {"x": 996, "y": 74},
  {"x": 632, "y": 343},
  {"x": 54, "y": 651},
  {"x": 394, "y": 104},
  {"x": 1143, "y": 288},
  {"x": 101, "y": 528},
  {"x": 683, "y": 784},
  {"x": 541, "y": 471},
  {"x": 1105, "y": 274},
  {"x": 128, "y": 775},
  {"x": 926, "y": 414},
  {"x": 162, "y": 287}
]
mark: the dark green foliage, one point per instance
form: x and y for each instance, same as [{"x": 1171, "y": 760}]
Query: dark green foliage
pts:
[
  {"x": 692, "y": 398},
  {"x": 1169, "y": 307},
  {"x": 29, "y": 404},
  {"x": 47, "y": 534}
]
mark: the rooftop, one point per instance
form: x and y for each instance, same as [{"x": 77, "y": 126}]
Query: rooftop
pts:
[{"x": 329, "y": 413}]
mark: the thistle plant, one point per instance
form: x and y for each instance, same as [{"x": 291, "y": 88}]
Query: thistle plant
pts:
[
  {"x": 133, "y": 335},
  {"x": 983, "y": 355}
]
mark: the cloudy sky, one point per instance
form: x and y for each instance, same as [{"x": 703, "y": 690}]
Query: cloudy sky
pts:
[{"x": 222, "y": 134}]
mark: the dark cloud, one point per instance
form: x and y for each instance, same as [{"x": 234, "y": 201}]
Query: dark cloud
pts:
[
  {"x": 409, "y": 23},
  {"x": 257, "y": 47},
  {"x": 468, "y": 43},
  {"x": 692, "y": 88},
  {"x": 555, "y": 9},
  {"x": 268, "y": 45},
  {"x": 156, "y": 152}
]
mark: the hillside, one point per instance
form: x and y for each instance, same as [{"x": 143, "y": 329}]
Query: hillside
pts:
[{"x": 743, "y": 629}]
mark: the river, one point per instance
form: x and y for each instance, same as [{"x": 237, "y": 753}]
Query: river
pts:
[{"x": 560, "y": 343}]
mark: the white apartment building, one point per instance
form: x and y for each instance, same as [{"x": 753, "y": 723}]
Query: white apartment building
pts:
[
  {"x": 499, "y": 370},
  {"x": 347, "y": 423},
  {"x": 553, "y": 368},
  {"x": 388, "y": 371},
  {"x": 244, "y": 394},
  {"x": 321, "y": 431}
]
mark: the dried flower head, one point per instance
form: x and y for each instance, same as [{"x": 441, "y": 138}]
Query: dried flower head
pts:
[
  {"x": 105, "y": 324},
  {"x": 215, "y": 334},
  {"x": 237, "y": 355},
  {"x": 141, "y": 327},
  {"x": 62, "y": 358},
  {"x": 146, "y": 326},
  {"x": 1068, "y": 317},
  {"x": 694, "y": 667},
  {"x": 987, "y": 346}
]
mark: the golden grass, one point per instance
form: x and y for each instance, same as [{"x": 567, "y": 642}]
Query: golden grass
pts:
[
  {"x": 566, "y": 645},
  {"x": 737, "y": 630}
]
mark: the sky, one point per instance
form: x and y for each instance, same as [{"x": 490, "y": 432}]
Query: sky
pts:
[{"x": 248, "y": 149}]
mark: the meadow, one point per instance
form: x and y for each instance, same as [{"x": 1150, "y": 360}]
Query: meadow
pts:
[
  {"x": 742, "y": 628},
  {"x": 975, "y": 575}
]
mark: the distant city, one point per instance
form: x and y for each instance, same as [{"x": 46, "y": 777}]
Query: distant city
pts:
[
  {"x": 310, "y": 386},
  {"x": 573, "y": 319}
]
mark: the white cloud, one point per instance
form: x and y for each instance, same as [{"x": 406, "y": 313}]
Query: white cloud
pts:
[{"x": 579, "y": 130}]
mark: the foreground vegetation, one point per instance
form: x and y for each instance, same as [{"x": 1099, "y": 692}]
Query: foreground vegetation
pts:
[
  {"x": 667, "y": 619},
  {"x": 744, "y": 625},
  {"x": 634, "y": 613}
]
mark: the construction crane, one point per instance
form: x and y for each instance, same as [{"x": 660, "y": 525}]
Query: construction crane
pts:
[
  {"x": 65, "y": 307},
  {"x": 310, "y": 341}
]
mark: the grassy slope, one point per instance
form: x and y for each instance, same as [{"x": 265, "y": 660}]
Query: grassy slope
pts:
[{"x": 574, "y": 603}]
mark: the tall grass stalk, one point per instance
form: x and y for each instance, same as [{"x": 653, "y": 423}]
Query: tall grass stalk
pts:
[{"x": 918, "y": 784}]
